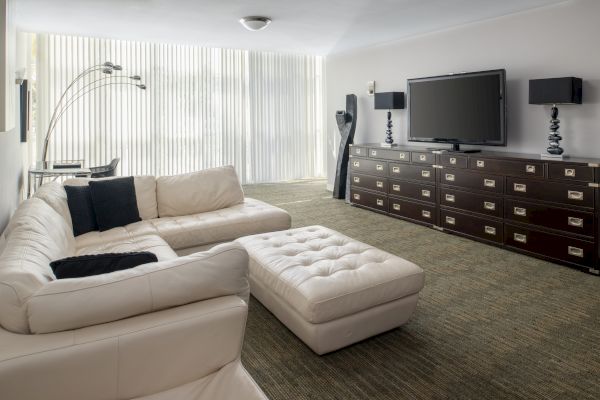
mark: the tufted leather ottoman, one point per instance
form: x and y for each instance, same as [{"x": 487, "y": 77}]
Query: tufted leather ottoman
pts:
[{"x": 329, "y": 289}]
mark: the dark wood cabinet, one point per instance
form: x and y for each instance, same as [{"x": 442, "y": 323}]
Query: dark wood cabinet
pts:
[{"x": 544, "y": 208}]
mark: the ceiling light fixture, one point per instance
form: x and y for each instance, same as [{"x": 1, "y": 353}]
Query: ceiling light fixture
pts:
[{"x": 255, "y": 23}]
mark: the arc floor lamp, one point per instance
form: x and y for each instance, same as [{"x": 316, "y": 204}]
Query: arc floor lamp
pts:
[{"x": 90, "y": 79}]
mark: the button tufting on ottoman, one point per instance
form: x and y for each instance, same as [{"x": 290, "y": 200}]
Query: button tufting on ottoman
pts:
[{"x": 329, "y": 289}]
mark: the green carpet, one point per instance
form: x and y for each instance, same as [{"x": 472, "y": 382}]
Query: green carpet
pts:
[{"x": 490, "y": 324}]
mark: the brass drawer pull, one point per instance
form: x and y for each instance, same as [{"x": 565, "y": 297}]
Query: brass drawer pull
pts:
[
  {"x": 453, "y": 160},
  {"x": 570, "y": 172},
  {"x": 396, "y": 170},
  {"x": 396, "y": 188},
  {"x": 575, "y": 251},
  {"x": 422, "y": 157},
  {"x": 396, "y": 207},
  {"x": 425, "y": 193},
  {"x": 379, "y": 202},
  {"x": 450, "y": 198},
  {"x": 490, "y": 230},
  {"x": 577, "y": 222},
  {"x": 356, "y": 196},
  {"x": 373, "y": 153},
  {"x": 356, "y": 179},
  {"x": 358, "y": 151},
  {"x": 450, "y": 220},
  {"x": 425, "y": 174},
  {"x": 522, "y": 212},
  {"x": 426, "y": 214},
  {"x": 519, "y": 237},
  {"x": 450, "y": 177},
  {"x": 520, "y": 187},
  {"x": 379, "y": 167},
  {"x": 356, "y": 164},
  {"x": 402, "y": 155},
  {"x": 575, "y": 195},
  {"x": 379, "y": 184},
  {"x": 489, "y": 183},
  {"x": 480, "y": 164},
  {"x": 488, "y": 205},
  {"x": 530, "y": 169}
]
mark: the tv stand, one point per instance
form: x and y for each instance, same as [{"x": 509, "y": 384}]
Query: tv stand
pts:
[
  {"x": 456, "y": 149},
  {"x": 546, "y": 208}
]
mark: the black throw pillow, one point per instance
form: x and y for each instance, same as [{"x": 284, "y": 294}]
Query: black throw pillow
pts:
[
  {"x": 96, "y": 264},
  {"x": 114, "y": 202},
  {"x": 81, "y": 208}
]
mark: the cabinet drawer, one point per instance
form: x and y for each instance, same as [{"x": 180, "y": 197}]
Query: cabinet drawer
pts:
[
  {"x": 417, "y": 191},
  {"x": 372, "y": 200},
  {"x": 371, "y": 167},
  {"x": 559, "y": 247},
  {"x": 374, "y": 183},
  {"x": 570, "y": 172},
  {"x": 479, "y": 203},
  {"x": 386, "y": 154},
  {"x": 518, "y": 168},
  {"x": 422, "y": 157},
  {"x": 449, "y": 160},
  {"x": 472, "y": 226},
  {"x": 416, "y": 211},
  {"x": 414, "y": 172},
  {"x": 472, "y": 180},
  {"x": 358, "y": 151},
  {"x": 548, "y": 191},
  {"x": 550, "y": 217}
]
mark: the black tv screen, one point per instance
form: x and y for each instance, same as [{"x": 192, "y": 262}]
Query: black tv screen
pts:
[{"x": 464, "y": 108}]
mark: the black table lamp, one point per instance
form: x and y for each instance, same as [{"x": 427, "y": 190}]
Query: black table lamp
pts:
[
  {"x": 389, "y": 101},
  {"x": 555, "y": 91}
]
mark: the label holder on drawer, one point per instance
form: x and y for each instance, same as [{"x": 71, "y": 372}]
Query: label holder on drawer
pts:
[
  {"x": 576, "y": 222},
  {"x": 488, "y": 205},
  {"x": 575, "y": 251}
]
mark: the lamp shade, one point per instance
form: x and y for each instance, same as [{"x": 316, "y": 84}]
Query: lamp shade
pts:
[
  {"x": 555, "y": 91},
  {"x": 389, "y": 101}
]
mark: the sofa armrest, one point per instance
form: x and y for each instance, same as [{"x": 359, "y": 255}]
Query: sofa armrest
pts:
[
  {"x": 124, "y": 359},
  {"x": 75, "y": 303}
]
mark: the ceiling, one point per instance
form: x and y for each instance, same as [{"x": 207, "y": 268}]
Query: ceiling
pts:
[{"x": 303, "y": 26}]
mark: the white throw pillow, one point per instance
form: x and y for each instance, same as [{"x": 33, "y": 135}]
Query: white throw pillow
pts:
[{"x": 208, "y": 190}]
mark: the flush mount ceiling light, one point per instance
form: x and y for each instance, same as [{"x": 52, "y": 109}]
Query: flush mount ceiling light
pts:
[{"x": 255, "y": 23}]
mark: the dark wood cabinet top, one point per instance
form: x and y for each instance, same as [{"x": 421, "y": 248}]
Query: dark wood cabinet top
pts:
[{"x": 591, "y": 162}]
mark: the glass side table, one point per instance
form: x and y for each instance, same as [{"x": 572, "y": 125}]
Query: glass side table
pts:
[{"x": 52, "y": 170}]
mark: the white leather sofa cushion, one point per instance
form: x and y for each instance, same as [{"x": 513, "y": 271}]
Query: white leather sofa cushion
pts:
[
  {"x": 250, "y": 217},
  {"x": 232, "y": 382},
  {"x": 324, "y": 275},
  {"x": 131, "y": 358},
  {"x": 198, "y": 192},
  {"x": 74, "y": 303},
  {"x": 54, "y": 194},
  {"x": 37, "y": 235},
  {"x": 152, "y": 243},
  {"x": 145, "y": 192}
]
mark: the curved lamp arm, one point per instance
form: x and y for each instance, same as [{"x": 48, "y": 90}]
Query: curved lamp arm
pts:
[
  {"x": 106, "y": 68},
  {"x": 71, "y": 102},
  {"x": 75, "y": 96}
]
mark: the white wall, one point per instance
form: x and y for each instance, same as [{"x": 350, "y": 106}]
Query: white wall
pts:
[
  {"x": 10, "y": 148},
  {"x": 562, "y": 40}
]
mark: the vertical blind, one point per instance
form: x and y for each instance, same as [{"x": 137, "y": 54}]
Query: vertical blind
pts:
[{"x": 204, "y": 107}]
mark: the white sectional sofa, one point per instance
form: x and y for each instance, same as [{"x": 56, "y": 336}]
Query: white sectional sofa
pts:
[{"x": 166, "y": 330}]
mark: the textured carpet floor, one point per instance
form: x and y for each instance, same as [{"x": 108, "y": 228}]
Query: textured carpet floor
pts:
[{"x": 490, "y": 324}]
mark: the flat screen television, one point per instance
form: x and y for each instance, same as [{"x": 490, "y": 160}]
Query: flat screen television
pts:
[{"x": 465, "y": 108}]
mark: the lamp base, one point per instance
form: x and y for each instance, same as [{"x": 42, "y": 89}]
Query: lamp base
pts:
[
  {"x": 549, "y": 156},
  {"x": 388, "y": 144}
]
